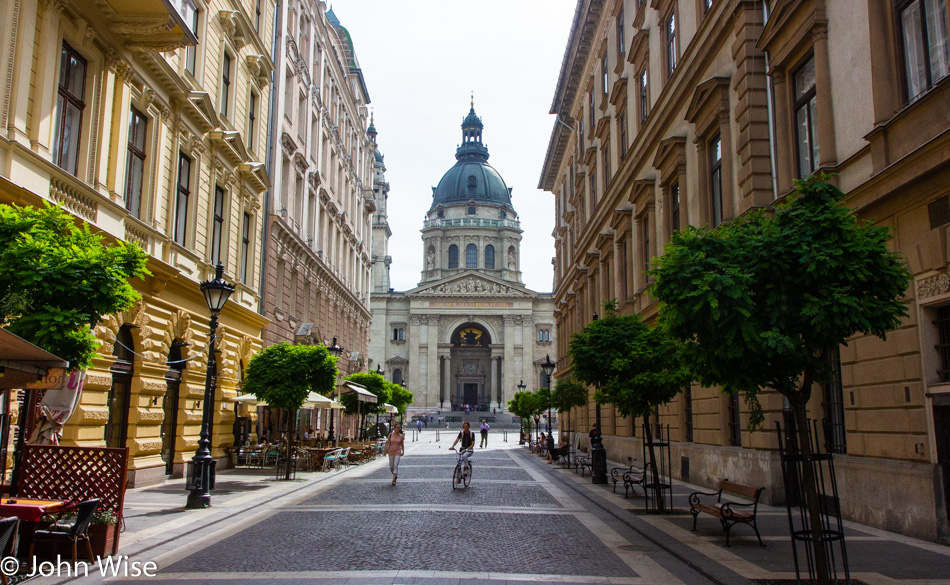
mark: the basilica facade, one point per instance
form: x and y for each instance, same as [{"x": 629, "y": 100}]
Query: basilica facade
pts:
[{"x": 470, "y": 332}]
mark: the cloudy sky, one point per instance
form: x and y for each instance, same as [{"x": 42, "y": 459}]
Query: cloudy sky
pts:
[{"x": 421, "y": 61}]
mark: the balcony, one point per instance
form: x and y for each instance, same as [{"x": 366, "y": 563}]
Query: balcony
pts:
[
  {"x": 152, "y": 25},
  {"x": 471, "y": 222}
]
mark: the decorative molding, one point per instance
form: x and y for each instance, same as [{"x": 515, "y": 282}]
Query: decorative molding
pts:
[
  {"x": 73, "y": 199},
  {"x": 933, "y": 286}
]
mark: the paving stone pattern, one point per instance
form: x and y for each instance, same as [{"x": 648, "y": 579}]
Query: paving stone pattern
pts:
[
  {"x": 445, "y": 472},
  {"x": 436, "y": 492},
  {"x": 403, "y": 540}
]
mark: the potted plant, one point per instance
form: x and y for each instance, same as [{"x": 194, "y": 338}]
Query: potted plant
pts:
[{"x": 102, "y": 532}]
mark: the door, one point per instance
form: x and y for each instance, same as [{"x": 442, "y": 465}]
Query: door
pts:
[
  {"x": 470, "y": 394},
  {"x": 170, "y": 422},
  {"x": 942, "y": 434}
]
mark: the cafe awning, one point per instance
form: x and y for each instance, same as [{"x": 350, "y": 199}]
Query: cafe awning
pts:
[
  {"x": 25, "y": 365},
  {"x": 313, "y": 400},
  {"x": 390, "y": 409},
  {"x": 362, "y": 394}
]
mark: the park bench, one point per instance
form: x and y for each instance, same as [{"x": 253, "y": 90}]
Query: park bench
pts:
[
  {"x": 729, "y": 513},
  {"x": 630, "y": 476}
]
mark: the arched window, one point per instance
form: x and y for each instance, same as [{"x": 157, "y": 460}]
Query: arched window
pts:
[
  {"x": 453, "y": 256},
  {"x": 397, "y": 376},
  {"x": 489, "y": 256},
  {"x": 471, "y": 256}
]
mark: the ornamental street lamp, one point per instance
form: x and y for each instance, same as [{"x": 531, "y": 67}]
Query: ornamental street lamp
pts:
[
  {"x": 547, "y": 366},
  {"x": 336, "y": 351},
  {"x": 216, "y": 293},
  {"x": 379, "y": 370},
  {"x": 598, "y": 455},
  {"x": 521, "y": 387}
]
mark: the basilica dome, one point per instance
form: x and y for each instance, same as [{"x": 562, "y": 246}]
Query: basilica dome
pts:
[{"x": 472, "y": 178}]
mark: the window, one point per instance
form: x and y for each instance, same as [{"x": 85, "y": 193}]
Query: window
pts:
[
  {"x": 544, "y": 335},
  {"x": 397, "y": 376},
  {"x": 622, "y": 131},
  {"x": 923, "y": 26},
  {"x": 707, "y": 4},
  {"x": 590, "y": 112},
  {"x": 834, "y": 404},
  {"x": 715, "y": 178},
  {"x": 257, "y": 16},
  {"x": 191, "y": 52},
  {"x": 605, "y": 156},
  {"x": 688, "y": 412},
  {"x": 735, "y": 425},
  {"x": 181, "y": 200},
  {"x": 471, "y": 210},
  {"x": 225, "y": 83},
  {"x": 593, "y": 189},
  {"x": 603, "y": 73},
  {"x": 217, "y": 225},
  {"x": 453, "y": 256},
  {"x": 245, "y": 245},
  {"x": 70, "y": 105},
  {"x": 671, "y": 44},
  {"x": 489, "y": 256},
  {"x": 472, "y": 182},
  {"x": 620, "y": 40},
  {"x": 943, "y": 342},
  {"x": 645, "y": 224},
  {"x": 675, "y": 207},
  {"x": 471, "y": 256},
  {"x": 251, "y": 120},
  {"x": 580, "y": 125},
  {"x": 806, "y": 118},
  {"x": 644, "y": 103},
  {"x": 135, "y": 165},
  {"x": 399, "y": 334}
]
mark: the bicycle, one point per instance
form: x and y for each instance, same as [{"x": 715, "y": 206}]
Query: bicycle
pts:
[{"x": 458, "y": 477}]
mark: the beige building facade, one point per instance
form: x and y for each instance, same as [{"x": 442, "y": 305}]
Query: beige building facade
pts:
[
  {"x": 691, "y": 112},
  {"x": 149, "y": 124},
  {"x": 319, "y": 230}
]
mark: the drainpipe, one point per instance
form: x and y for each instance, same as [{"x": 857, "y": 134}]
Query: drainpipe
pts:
[{"x": 269, "y": 160}]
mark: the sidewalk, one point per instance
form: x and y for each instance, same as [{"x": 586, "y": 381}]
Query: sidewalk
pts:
[{"x": 876, "y": 557}]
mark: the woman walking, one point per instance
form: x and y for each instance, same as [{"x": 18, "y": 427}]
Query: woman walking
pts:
[{"x": 395, "y": 448}]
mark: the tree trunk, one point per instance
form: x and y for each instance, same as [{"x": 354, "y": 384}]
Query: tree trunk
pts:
[
  {"x": 292, "y": 430},
  {"x": 810, "y": 485},
  {"x": 658, "y": 498}
]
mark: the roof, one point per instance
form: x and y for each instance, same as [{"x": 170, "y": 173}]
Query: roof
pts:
[{"x": 471, "y": 181}]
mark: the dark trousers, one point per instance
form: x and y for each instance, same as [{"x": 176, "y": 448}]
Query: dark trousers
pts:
[{"x": 484, "y": 439}]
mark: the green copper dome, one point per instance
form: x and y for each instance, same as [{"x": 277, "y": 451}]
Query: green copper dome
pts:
[{"x": 472, "y": 178}]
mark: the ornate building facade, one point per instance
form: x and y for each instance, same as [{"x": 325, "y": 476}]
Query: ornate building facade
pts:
[
  {"x": 471, "y": 331},
  {"x": 685, "y": 112},
  {"x": 319, "y": 226},
  {"x": 148, "y": 124}
]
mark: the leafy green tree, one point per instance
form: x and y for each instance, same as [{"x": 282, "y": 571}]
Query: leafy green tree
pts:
[
  {"x": 568, "y": 394},
  {"x": 525, "y": 405},
  {"x": 284, "y": 374},
  {"x": 401, "y": 398},
  {"x": 633, "y": 366},
  {"x": 761, "y": 301},
  {"x": 376, "y": 384},
  {"x": 57, "y": 278}
]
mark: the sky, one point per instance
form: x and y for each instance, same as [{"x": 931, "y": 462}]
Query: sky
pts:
[{"x": 421, "y": 61}]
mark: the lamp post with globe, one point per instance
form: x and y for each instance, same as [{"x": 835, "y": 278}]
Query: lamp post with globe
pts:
[{"x": 336, "y": 351}]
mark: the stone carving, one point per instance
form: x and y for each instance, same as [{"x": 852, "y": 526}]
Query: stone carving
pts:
[
  {"x": 933, "y": 285},
  {"x": 473, "y": 286},
  {"x": 430, "y": 260},
  {"x": 179, "y": 327},
  {"x": 512, "y": 261},
  {"x": 94, "y": 382}
]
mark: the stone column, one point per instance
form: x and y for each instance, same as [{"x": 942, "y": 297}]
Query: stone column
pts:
[
  {"x": 784, "y": 160},
  {"x": 432, "y": 378},
  {"x": 508, "y": 378},
  {"x": 412, "y": 368},
  {"x": 827, "y": 151},
  {"x": 495, "y": 391}
]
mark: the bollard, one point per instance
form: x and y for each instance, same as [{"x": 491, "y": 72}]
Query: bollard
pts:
[
  {"x": 437, "y": 435},
  {"x": 504, "y": 434}
]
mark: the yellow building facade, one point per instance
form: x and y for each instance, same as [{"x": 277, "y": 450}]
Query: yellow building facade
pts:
[
  {"x": 150, "y": 125},
  {"x": 691, "y": 112}
]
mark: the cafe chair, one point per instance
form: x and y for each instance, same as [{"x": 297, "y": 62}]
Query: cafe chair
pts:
[
  {"x": 8, "y": 527},
  {"x": 75, "y": 532}
]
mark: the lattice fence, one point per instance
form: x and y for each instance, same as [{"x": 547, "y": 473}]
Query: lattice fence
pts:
[{"x": 55, "y": 472}]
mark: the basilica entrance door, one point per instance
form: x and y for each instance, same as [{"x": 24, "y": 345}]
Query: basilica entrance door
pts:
[{"x": 470, "y": 394}]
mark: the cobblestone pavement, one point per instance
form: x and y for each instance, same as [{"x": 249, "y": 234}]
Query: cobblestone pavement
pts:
[{"x": 521, "y": 522}]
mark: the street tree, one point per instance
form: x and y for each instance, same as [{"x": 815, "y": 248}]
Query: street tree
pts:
[
  {"x": 632, "y": 365},
  {"x": 376, "y": 384},
  {"x": 400, "y": 397},
  {"x": 525, "y": 405},
  {"x": 57, "y": 278},
  {"x": 568, "y": 394},
  {"x": 284, "y": 374},
  {"x": 760, "y": 301}
]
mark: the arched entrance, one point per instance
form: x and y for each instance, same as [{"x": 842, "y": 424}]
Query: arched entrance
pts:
[
  {"x": 170, "y": 405},
  {"x": 471, "y": 367}
]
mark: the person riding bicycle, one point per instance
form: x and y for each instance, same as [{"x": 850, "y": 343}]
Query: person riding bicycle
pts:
[{"x": 467, "y": 437}]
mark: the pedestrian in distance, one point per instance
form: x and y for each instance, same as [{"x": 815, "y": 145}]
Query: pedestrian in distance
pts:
[
  {"x": 483, "y": 429},
  {"x": 419, "y": 425},
  {"x": 594, "y": 433},
  {"x": 467, "y": 437},
  {"x": 395, "y": 448},
  {"x": 425, "y": 421}
]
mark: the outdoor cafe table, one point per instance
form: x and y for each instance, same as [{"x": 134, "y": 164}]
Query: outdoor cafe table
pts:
[
  {"x": 29, "y": 512},
  {"x": 317, "y": 454}
]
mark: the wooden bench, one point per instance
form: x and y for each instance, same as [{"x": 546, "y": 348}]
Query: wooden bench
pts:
[
  {"x": 633, "y": 477},
  {"x": 729, "y": 513}
]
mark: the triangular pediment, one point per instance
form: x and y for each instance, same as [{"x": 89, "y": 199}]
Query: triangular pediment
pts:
[{"x": 471, "y": 284}]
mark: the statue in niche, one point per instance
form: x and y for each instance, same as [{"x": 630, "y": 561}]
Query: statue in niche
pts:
[
  {"x": 512, "y": 262},
  {"x": 430, "y": 261}
]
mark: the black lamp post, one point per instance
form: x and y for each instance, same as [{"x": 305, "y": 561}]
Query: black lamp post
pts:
[
  {"x": 379, "y": 370},
  {"x": 216, "y": 293},
  {"x": 521, "y": 387},
  {"x": 336, "y": 351},
  {"x": 598, "y": 455},
  {"x": 547, "y": 366}
]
